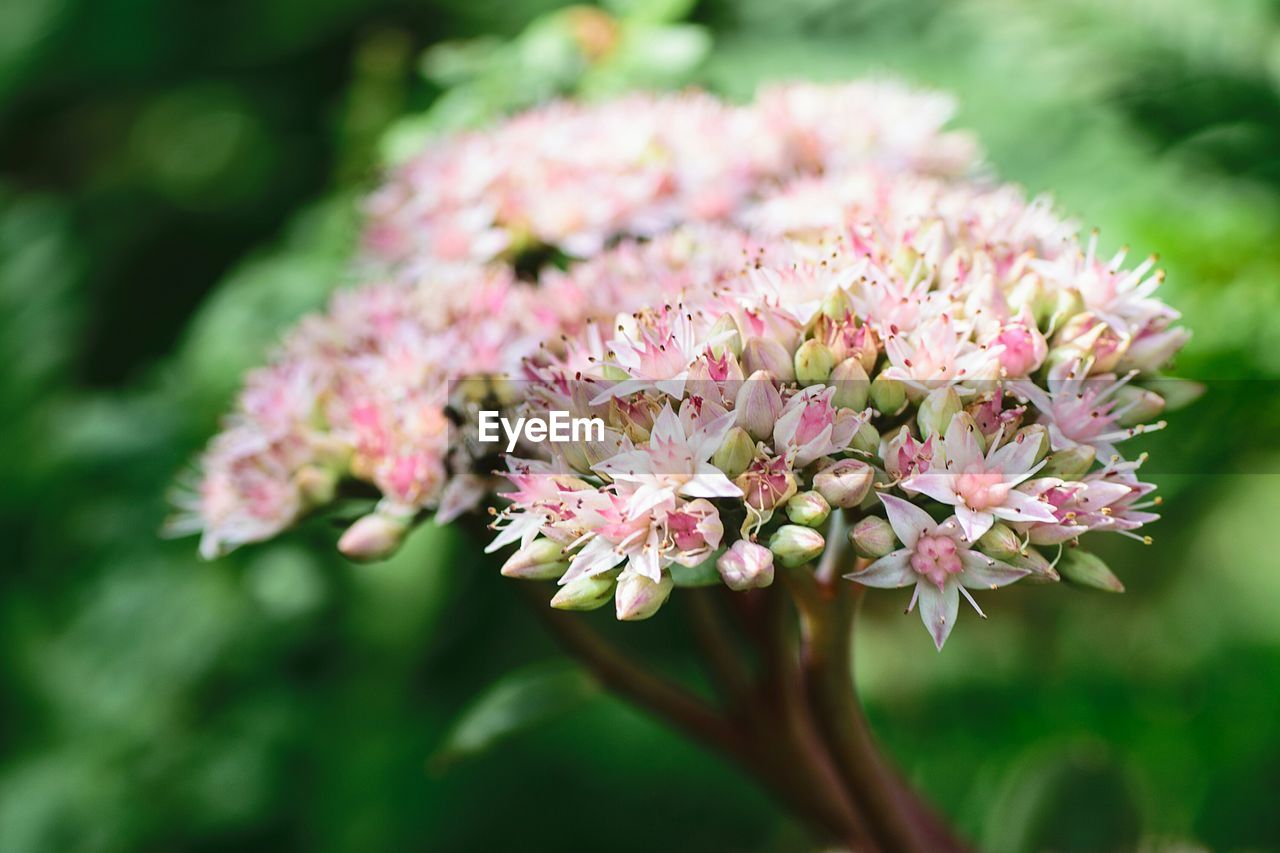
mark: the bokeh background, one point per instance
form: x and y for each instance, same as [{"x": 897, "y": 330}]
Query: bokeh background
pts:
[{"x": 178, "y": 182}]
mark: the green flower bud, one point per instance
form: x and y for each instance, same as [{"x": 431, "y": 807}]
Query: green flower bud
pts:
[
  {"x": 1032, "y": 560},
  {"x": 770, "y": 356},
  {"x": 836, "y": 305},
  {"x": 586, "y": 593},
  {"x": 1085, "y": 569},
  {"x": 866, "y": 439},
  {"x": 873, "y": 537},
  {"x": 1137, "y": 405},
  {"x": 1069, "y": 464},
  {"x": 541, "y": 560},
  {"x": 734, "y": 454},
  {"x": 638, "y": 598},
  {"x": 888, "y": 396},
  {"x": 852, "y": 385},
  {"x": 813, "y": 362},
  {"x": 794, "y": 545},
  {"x": 936, "y": 411},
  {"x": 732, "y": 342},
  {"x": 844, "y": 483},
  {"x": 808, "y": 508},
  {"x": 1000, "y": 542}
]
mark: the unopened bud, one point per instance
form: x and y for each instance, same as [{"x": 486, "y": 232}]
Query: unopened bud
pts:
[
  {"x": 770, "y": 356},
  {"x": 852, "y": 385},
  {"x": 585, "y": 593},
  {"x": 541, "y": 560},
  {"x": 813, "y": 362},
  {"x": 746, "y": 565},
  {"x": 638, "y": 598},
  {"x": 888, "y": 396},
  {"x": 727, "y": 329},
  {"x": 844, "y": 483},
  {"x": 1071, "y": 463},
  {"x": 375, "y": 536},
  {"x": 794, "y": 545},
  {"x": 936, "y": 411},
  {"x": 1085, "y": 569},
  {"x": 866, "y": 439},
  {"x": 1035, "y": 433},
  {"x": 808, "y": 508},
  {"x": 1042, "y": 571},
  {"x": 1137, "y": 405},
  {"x": 1000, "y": 542},
  {"x": 735, "y": 453},
  {"x": 836, "y": 304},
  {"x": 873, "y": 537},
  {"x": 758, "y": 405}
]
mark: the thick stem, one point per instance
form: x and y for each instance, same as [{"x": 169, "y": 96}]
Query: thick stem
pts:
[
  {"x": 673, "y": 704},
  {"x": 899, "y": 819}
]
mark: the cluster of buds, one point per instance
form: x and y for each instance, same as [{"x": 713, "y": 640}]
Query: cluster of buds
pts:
[{"x": 864, "y": 353}]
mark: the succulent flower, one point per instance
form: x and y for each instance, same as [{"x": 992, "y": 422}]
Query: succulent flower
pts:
[
  {"x": 938, "y": 559},
  {"x": 774, "y": 310}
]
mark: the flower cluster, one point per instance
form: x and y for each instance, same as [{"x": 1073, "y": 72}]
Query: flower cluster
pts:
[
  {"x": 468, "y": 249},
  {"x": 802, "y": 327}
]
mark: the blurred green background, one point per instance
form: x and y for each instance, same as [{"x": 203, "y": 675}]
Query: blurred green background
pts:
[{"x": 178, "y": 183}]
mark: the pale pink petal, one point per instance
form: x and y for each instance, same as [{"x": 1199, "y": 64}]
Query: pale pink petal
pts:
[
  {"x": 938, "y": 610},
  {"x": 889, "y": 572},
  {"x": 907, "y": 520}
]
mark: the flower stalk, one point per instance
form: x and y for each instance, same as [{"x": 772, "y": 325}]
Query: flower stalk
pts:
[{"x": 786, "y": 709}]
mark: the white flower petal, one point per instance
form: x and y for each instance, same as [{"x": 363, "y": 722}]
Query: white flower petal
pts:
[{"x": 907, "y": 520}]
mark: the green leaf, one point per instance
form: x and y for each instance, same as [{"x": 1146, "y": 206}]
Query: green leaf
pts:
[
  {"x": 1085, "y": 569},
  {"x": 516, "y": 702}
]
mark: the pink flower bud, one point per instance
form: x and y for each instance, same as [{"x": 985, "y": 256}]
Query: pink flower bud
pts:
[
  {"x": 758, "y": 405},
  {"x": 770, "y": 356},
  {"x": 746, "y": 565},
  {"x": 376, "y": 536},
  {"x": 845, "y": 483},
  {"x": 873, "y": 537},
  {"x": 638, "y": 598},
  {"x": 1024, "y": 347}
]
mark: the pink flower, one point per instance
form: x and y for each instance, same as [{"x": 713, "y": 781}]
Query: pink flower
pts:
[
  {"x": 938, "y": 560},
  {"x": 981, "y": 487},
  {"x": 676, "y": 461},
  {"x": 810, "y": 426}
]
